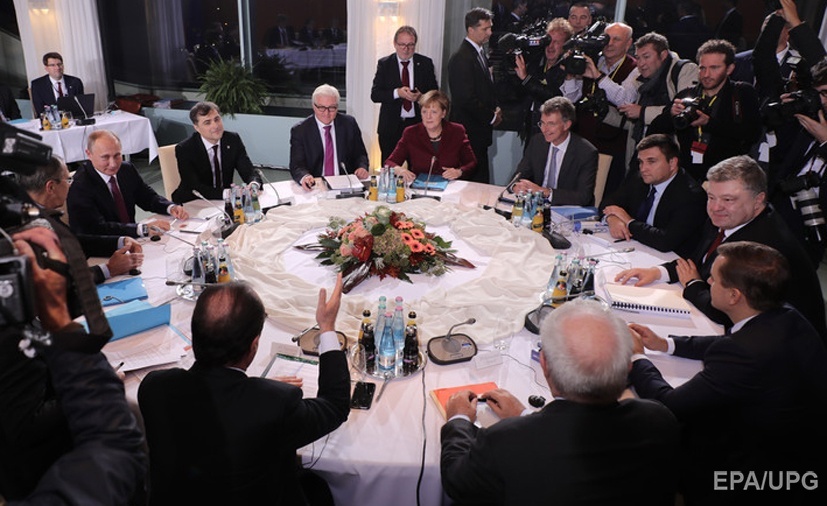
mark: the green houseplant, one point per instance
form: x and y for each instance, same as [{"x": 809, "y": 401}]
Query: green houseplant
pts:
[{"x": 233, "y": 88}]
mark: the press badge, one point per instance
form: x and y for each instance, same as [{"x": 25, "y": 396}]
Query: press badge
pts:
[{"x": 698, "y": 150}]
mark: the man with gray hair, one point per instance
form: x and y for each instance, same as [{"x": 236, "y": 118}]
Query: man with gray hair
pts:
[
  {"x": 313, "y": 151},
  {"x": 585, "y": 446}
]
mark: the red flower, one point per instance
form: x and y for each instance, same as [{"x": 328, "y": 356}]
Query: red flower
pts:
[{"x": 362, "y": 247}]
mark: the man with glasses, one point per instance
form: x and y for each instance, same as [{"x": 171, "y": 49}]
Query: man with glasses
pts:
[
  {"x": 327, "y": 143},
  {"x": 47, "y": 89},
  {"x": 558, "y": 162},
  {"x": 49, "y": 186},
  {"x": 401, "y": 78}
]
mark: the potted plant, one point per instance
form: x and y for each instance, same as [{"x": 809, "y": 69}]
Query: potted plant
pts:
[{"x": 233, "y": 88}]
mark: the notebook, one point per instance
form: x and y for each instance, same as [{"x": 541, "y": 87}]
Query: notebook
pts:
[
  {"x": 646, "y": 299},
  {"x": 437, "y": 183},
  {"x": 441, "y": 395}
]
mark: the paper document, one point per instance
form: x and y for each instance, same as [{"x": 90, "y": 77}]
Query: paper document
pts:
[{"x": 647, "y": 299}]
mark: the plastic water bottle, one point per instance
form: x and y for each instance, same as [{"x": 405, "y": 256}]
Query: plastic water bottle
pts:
[
  {"x": 398, "y": 330},
  {"x": 223, "y": 250},
  {"x": 386, "y": 358}
]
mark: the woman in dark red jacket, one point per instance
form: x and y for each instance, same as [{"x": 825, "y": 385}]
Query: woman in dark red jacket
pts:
[{"x": 434, "y": 139}]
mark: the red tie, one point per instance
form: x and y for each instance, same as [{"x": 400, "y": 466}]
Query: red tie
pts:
[
  {"x": 717, "y": 242},
  {"x": 120, "y": 205},
  {"x": 59, "y": 89},
  {"x": 328, "y": 152},
  {"x": 217, "y": 168},
  {"x": 406, "y": 81}
]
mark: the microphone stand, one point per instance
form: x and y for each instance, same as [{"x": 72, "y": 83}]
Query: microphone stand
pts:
[
  {"x": 229, "y": 226},
  {"x": 351, "y": 191},
  {"x": 451, "y": 348},
  {"x": 86, "y": 119},
  {"x": 278, "y": 197},
  {"x": 427, "y": 184}
]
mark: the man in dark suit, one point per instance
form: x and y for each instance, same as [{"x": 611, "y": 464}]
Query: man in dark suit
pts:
[
  {"x": 472, "y": 89},
  {"x": 660, "y": 206},
  {"x": 313, "y": 151},
  {"x": 208, "y": 159},
  {"x": 48, "y": 187},
  {"x": 8, "y": 106},
  {"x": 759, "y": 402},
  {"x": 400, "y": 80},
  {"x": 558, "y": 162},
  {"x": 218, "y": 436},
  {"x": 738, "y": 211},
  {"x": 46, "y": 89},
  {"x": 106, "y": 190},
  {"x": 585, "y": 447},
  {"x": 731, "y": 26}
]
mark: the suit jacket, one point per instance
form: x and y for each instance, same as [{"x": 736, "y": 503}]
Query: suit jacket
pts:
[
  {"x": 195, "y": 168},
  {"x": 43, "y": 93},
  {"x": 678, "y": 217},
  {"x": 577, "y": 174},
  {"x": 7, "y": 103},
  {"x": 567, "y": 453},
  {"x": 307, "y": 149},
  {"x": 218, "y": 436},
  {"x": 415, "y": 147},
  {"x": 731, "y": 27},
  {"x": 388, "y": 78},
  {"x": 92, "y": 208},
  {"x": 803, "y": 291},
  {"x": 472, "y": 94},
  {"x": 756, "y": 403}
]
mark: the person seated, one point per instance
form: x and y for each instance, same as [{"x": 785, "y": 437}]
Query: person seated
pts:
[
  {"x": 8, "y": 105},
  {"x": 759, "y": 402},
  {"x": 558, "y": 162},
  {"x": 47, "y": 89},
  {"x": 208, "y": 159},
  {"x": 659, "y": 206},
  {"x": 738, "y": 211},
  {"x": 585, "y": 447},
  {"x": 435, "y": 145},
  {"x": 312, "y": 150},
  {"x": 217, "y": 436},
  {"x": 106, "y": 190},
  {"x": 48, "y": 187}
]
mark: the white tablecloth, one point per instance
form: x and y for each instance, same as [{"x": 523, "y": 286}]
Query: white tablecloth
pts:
[
  {"x": 134, "y": 131},
  {"x": 374, "y": 458}
]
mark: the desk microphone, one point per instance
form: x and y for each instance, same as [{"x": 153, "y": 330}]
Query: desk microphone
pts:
[
  {"x": 86, "y": 119},
  {"x": 278, "y": 197},
  {"x": 351, "y": 191},
  {"x": 451, "y": 348},
  {"x": 508, "y": 186},
  {"x": 161, "y": 231},
  {"x": 610, "y": 252},
  {"x": 427, "y": 184},
  {"x": 229, "y": 226}
]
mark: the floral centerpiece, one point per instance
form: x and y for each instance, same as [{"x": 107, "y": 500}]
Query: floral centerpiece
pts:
[{"x": 383, "y": 243}]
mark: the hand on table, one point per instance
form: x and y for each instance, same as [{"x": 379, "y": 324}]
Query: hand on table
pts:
[
  {"x": 617, "y": 219},
  {"x": 686, "y": 271},
  {"x": 527, "y": 185},
  {"x": 644, "y": 275},
  {"x": 308, "y": 182},
  {"x": 463, "y": 402},
  {"x": 407, "y": 175},
  {"x": 178, "y": 212},
  {"x": 503, "y": 403},
  {"x": 451, "y": 173},
  {"x": 644, "y": 337},
  {"x": 157, "y": 227},
  {"x": 123, "y": 261},
  {"x": 362, "y": 173}
]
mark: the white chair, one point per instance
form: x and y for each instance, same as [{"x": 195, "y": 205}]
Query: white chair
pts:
[
  {"x": 169, "y": 169},
  {"x": 603, "y": 164}
]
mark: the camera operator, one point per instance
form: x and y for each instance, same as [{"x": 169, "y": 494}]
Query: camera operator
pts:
[
  {"x": 797, "y": 182},
  {"x": 547, "y": 78},
  {"x": 718, "y": 118}
]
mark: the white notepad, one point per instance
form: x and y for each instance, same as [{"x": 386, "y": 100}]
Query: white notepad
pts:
[{"x": 647, "y": 299}]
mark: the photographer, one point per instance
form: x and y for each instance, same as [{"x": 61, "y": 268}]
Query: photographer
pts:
[
  {"x": 547, "y": 78},
  {"x": 718, "y": 118},
  {"x": 797, "y": 182}
]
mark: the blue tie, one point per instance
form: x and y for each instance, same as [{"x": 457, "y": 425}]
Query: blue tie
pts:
[{"x": 646, "y": 206}]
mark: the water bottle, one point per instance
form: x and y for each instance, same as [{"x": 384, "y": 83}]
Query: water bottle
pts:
[
  {"x": 222, "y": 249},
  {"x": 386, "y": 358},
  {"x": 398, "y": 329},
  {"x": 410, "y": 355},
  {"x": 197, "y": 270},
  {"x": 255, "y": 202}
]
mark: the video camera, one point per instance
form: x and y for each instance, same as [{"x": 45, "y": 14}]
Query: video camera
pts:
[
  {"x": 590, "y": 44},
  {"x": 20, "y": 152},
  {"x": 530, "y": 43},
  {"x": 692, "y": 105},
  {"x": 802, "y": 190},
  {"x": 806, "y": 101}
]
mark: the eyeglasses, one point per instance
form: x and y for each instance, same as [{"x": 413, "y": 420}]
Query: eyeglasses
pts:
[
  {"x": 410, "y": 45},
  {"x": 330, "y": 108},
  {"x": 69, "y": 180},
  {"x": 542, "y": 124}
]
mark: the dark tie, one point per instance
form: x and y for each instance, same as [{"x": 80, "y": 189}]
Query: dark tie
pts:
[
  {"x": 717, "y": 242},
  {"x": 120, "y": 205},
  {"x": 646, "y": 206},
  {"x": 551, "y": 179},
  {"x": 328, "y": 151},
  {"x": 406, "y": 81},
  {"x": 59, "y": 89},
  {"x": 484, "y": 63},
  {"x": 217, "y": 168}
]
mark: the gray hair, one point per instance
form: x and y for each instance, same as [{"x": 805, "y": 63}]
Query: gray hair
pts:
[
  {"x": 49, "y": 171},
  {"x": 326, "y": 90},
  {"x": 587, "y": 350},
  {"x": 740, "y": 168},
  {"x": 560, "y": 105}
]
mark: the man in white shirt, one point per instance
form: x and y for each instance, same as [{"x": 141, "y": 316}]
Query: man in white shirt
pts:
[{"x": 47, "y": 89}]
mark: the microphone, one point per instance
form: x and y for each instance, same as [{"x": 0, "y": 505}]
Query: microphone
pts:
[
  {"x": 508, "y": 187},
  {"x": 351, "y": 191},
  {"x": 86, "y": 119},
  {"x": 229, "y": 225},
  {"x": 278, "y": 197},
  {"x": 624, "y": 250},
  {"x": 427, "y": 183},
  {"x": 161, "y": 231},
  {"x": 450, "y": 348}
]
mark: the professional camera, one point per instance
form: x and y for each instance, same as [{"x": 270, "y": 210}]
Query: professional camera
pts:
[
  {"x": 802, "y": 190},
  {"x": 596, "y": 103},
  {"x": 806, "y": 101},
  {"x": 530, "y": 42},
  {"x": 590, "y": 44},
  {"x": 690, "y": 113}
]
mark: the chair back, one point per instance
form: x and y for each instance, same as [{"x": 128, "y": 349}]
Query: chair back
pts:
[
  {"x": 603, "y": 164},
  {"x": 169, "y": 169}
]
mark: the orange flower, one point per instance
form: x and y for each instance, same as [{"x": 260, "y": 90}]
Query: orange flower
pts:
[
  {"x": 406, "y": 238},
  {"x": 417, "y": 234},
  {"x": 429, "y": 249},
  {"x": 404, "y": 225},
  {"x": 417, "y": 247}
]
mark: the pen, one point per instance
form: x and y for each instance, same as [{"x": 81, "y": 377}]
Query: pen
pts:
[
  {"x": 189, "y": 231},
  {"x": 620, "y": 240},
  {"x": 294, "y": 358},
  {"x": 118, "y": 368}
]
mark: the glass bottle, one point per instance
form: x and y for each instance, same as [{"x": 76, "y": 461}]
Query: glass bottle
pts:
[
  {"x": 410, "y": 355},
  {"x": 386, "y": 358}
]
